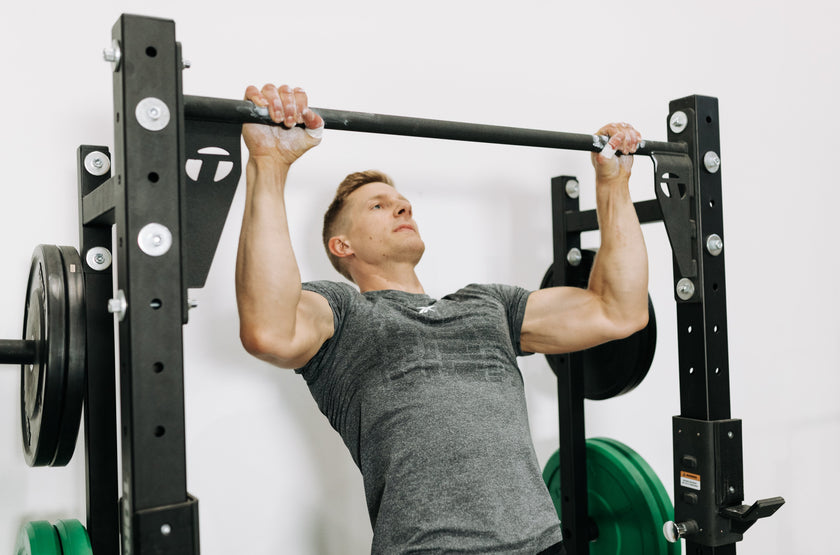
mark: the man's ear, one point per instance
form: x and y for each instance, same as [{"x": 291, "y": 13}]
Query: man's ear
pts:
[{"x": 340, "y": 246}]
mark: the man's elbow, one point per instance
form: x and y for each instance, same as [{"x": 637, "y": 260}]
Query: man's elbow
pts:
[
  {"x": 269, "y": 347},
  {"x": 259, "y": 342},
  {"x": 630, "y": 323},
  {"x": 253, "y": 340}
]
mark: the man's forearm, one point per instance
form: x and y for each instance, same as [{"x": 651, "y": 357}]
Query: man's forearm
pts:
[
  {"x": 620, "y": 272},
  {"x": 268, "y": 284}
]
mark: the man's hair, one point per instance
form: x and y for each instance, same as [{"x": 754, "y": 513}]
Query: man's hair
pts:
[{"x": 333, "y": 215}]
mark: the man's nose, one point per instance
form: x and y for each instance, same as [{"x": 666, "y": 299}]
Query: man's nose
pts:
[{"x": 402, "y": 209}]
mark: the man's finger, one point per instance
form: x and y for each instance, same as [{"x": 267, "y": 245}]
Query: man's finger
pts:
[
  {"x": 275, "y": 107},
  {"x": 290, "y": 109},
  {"x": 301, "y": 102},
  {"x": 253, "y": 94}
]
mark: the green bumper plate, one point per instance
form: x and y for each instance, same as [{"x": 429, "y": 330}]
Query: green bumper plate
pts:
[
  {"x": 67, "y": 537},
  {"x": 74, "y": 537},
  {"x": 38, "y": 538},
  {"x": 626, "y": 500}
]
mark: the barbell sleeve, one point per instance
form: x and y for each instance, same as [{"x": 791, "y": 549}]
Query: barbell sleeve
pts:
[
  {"x": 243, "y": 111},
  {"x": 18, "y": 351}
]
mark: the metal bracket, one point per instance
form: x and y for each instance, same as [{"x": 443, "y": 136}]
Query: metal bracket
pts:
[
  {"x": 744, "y": 516},
  {"x": 674, "y": 184},
  {"x": 213, "y": 167}
]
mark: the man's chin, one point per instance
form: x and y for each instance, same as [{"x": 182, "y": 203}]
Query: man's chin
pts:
[{"x": 414, "y": 250}]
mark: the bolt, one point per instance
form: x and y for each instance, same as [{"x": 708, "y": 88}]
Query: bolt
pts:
[
  {"x": 574, "y": 257},
  {"x": 165, "y": 529},
  {"x": 113, "y": 55},
  {"x": 678, "y": 122},
  {"x": 573, "y": 188},
  {"x": 186, "y": 64},
  {"x": 712, "y": 162},
  {"x": 730, "y": 435},
  {"x": 714, "y": 244},
  {"x": 97, "y": 163},
  {"x": 675, "y": 530},
  {"x": 98, "y": 258},
  {"x": 685, "y": 289},
  {"x": 118, "y": 305},
  {"x": 732, "y": 490},
  {"x": 154, "y": 239},
  {"x": 152, "y": 114}
]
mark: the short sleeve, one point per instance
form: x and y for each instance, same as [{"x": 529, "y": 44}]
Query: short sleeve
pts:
[
  {"x": 339, "y": 296},
  {"x": 514, "y": 299}
]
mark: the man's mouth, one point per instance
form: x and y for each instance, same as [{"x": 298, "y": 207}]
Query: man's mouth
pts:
[{"x": 404, "y": 227}]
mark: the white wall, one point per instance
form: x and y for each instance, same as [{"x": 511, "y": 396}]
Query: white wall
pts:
[{"x": 269, "y": 472}]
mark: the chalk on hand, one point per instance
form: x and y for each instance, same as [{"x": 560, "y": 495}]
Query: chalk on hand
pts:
[
  {"x": 261, "y": 110},
  {"x": 316, "y": 133},
  {"x": 608, "y": 151}
]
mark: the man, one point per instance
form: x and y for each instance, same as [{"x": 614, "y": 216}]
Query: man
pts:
[{"x": 425, "y": 392}]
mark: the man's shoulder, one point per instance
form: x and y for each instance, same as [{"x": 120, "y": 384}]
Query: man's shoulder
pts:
[
  {"x": 327, "y": 286},
  {"x": 338, "y": 294}
]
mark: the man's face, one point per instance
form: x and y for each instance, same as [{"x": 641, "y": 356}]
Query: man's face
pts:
[{"x": 380, "y": 226}]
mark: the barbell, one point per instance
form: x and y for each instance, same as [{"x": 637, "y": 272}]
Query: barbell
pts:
[{"x": 222, "y": 110}]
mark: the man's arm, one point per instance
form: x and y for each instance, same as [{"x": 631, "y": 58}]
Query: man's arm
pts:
[
  {"x": 279, "y": 323},
  {"x": 566, "y": 319}
]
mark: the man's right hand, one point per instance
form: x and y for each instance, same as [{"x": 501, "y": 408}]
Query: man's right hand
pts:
[{"x": 289, "y": 107}]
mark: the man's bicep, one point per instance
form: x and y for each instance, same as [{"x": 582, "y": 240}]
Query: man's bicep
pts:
[{"x": 563, "y": 320}]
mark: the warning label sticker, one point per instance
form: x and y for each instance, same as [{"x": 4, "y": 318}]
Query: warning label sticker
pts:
[{"x": 689, "y": 480}]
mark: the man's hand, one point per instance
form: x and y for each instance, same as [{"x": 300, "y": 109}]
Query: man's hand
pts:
[
  {"x": 623, "y": 138},
  {"x": 289, "y": 107}
]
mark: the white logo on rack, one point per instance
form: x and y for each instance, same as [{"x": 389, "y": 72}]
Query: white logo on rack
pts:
[{"x": 217, "y": 160}]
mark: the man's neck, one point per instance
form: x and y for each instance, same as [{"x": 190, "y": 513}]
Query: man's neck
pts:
[{"x": 399, "y": 279}]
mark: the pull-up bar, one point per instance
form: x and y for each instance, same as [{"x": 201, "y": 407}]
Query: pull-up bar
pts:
[{"x": 243, "y": 111}]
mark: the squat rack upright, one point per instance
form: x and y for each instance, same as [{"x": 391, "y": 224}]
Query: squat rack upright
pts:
[{"x": 168, "y": 222}]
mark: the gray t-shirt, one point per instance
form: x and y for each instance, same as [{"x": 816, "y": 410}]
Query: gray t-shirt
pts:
[{"x": 429, "y": 400}]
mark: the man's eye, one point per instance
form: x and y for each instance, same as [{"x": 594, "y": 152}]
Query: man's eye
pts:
[{"x": 377, "y": 206}]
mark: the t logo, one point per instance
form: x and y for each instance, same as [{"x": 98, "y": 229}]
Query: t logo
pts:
[{"x": 211, "y": 161}]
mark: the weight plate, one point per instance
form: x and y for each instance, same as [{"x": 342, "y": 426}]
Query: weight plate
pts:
[
  {"x": 663, "y": 508},
  {"x": 52, "y": 388},
  {"x": 38, "y": 538},
  {"x": 616, "y": 367},
  {"x": 75, "y": 357},
  {"x": 666, "y": 507},
  {"x": 627, "y": 510},
  {"x": 42, "y": 383},
  {"x": 74, "y": 538}
]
